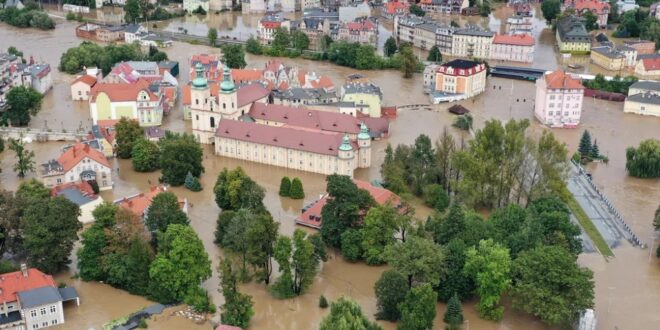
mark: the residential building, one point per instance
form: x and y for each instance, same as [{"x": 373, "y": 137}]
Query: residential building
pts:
[
  {"x": 315, "y": 29},
  {"x": 643, "y": 98},
  {"x": 444, "y": 6},
  {"x": 82, "y": 194},
  {"x": 325, "y": 13},
  {"x": 599, "y": 8},
  {"x": 396, "y": 8},
  {"x": 303, "y": 96},
  {"x": 559, "y": 99},
  {"x": 76, "y": 164},
  {"x": 289, "y": 6},
  {"x": 134, "y": 32},
  {"x": 367, "y": 97},
  {"x": 37, "y": 76},
  {"x": 472, "y": 42},
  {"x": 139, "y": 203},
  {"x": 643, "y": 47},
  {"x": 295, "y": 148},
  {"x": 363, "y": 30},
  {"x": 192, "y": 5},
  {"x": 134, "y": 101},
  {"x": 210, "y": 103},
  {"x": 311, "y": 214},
  {"x": 98, "y": 32},
  {"x": 516, "y": 48},
  {"x": 457, "y": 80},
  {"x": 519, "y": 24},
  {"x": 623, "y": 6},
  {"x": 572, "y": 36},
  {"x": 253, "y": 6},
  {"x": 648, "y": 68},
  {"x": 269, "y": 24},
  {"x": 218, "y": 5},
  {"x": 424, "y": 33},
  {"x": 82, "y": 87},
  {"x": 429, "y": 77},
  {"x": 32, "y": 300},
  {"x": 160, "y": 79},
  {"x": 211, "y": 65},
  {"x": 153, "y": 40},
  {"x": 104, "y": 135},
  {"x": 404, "y": 27},
  {"x": 352, "y": 11},
  {"x": 607, "y": 58},
  {"x": 630, "y": 53},
  {"x": 9, "y": 74}
]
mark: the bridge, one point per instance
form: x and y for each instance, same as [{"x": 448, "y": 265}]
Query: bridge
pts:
[{"x": 42, "y": 134}]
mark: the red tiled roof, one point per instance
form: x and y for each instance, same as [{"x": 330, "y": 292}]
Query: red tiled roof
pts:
[
  {"x": 323, "y": 82},
  {"x": 123, "y": 92},
  {"x": 273, "y": 65},
  {"x": 86, "y": 79},
  {"x": 250, "y": 93},
  {"x": 560, "y": 80},
  {"x": 14, "y": 282},
  {"x": 306, "y": 118},
  {"x": 651, "y": 64},
  {"x": 314, "y": 141},
  {"x": 83, "y": 187},
  {"x": 245, "y": 75},
  {"x": 596, "y": 6},
  {"x": 396, "y": 6},
  {"x": 518, "y": 39},
  {"x": 312, "y": 216},
  {"x": 141, "y": 202},
  {"x": 79, "y": 151},
  {"x": 107, "y": 128}
]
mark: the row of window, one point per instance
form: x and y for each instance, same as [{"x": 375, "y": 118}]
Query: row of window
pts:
[
  {"x": 43, "y": 311},
  {"x": 558, "y": 113},
  {"x": 44, "y": 324},
  {"x": 552, "y": 105}
]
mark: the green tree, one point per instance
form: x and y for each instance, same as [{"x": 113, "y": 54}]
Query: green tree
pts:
[
  {"x": 24, "y": 157},
  {"x": 237, "y": 310},
  {"x": 253, "y": 46},
  {"x": 323, "y": 302},
  {"x": 552, "y": 217},
  {"x": 344, "y": 208},
  {"x": 14, "y": 51},
  {"x": 417, "y": 11},
  {"x": 281, "y": 40},
  {"x": 128, "y": 133},
  {"x": 351, "y": 244},
  {"x": 181, "y": 264},
  {"x": 261, "y": 236},
  {"x": 489, "y": 265},
  {"x": 180, "y": 154},
  {"x": 391, "y": 290},
  {"x": 297, "y": 191},
  {"x": 549, "y": 284},
  {"x": 390, "y": 47},
  {"x": 299, "y": 40},
  {"x": 452, "y": 226},
  {"x": 298, "y": 265},
  {"x": 50, "y": 230},
  {"x": 23, "y": 103},
  {"x": 283, "y": 287},
  {"x": 346, "y": 314},
  {"x": 163, "y": 212},
  {"x": 418, "y": 259},
  {"x": 591, "y": 21},
  {"x": 212, "y": 35},
  {"x": 380, "y": 225},
  {"x": 434, "y": 55},
  {"x": 192, "y": 183},
  {"x": 285, "y": 186},
  {"x": 454, "y": 314},
  {"x": 436, "y": 197},
  {"x": 453, "y": 281},
  {"x": 551, "y": 9},
  {"x": 33, "y": 191},
  {"x": 236, "y": 190},
  {"x": 131, "y": 11},
  {"x": 89, "y": 255},
  {"x": 224, "y": 219},
  {"x": 595, "y": 152},
  {"x": 585, "y": 144},
  {"x": 644, "y": 161},
  {"x": 234, "y": 56},
  {"x": 418, "y": 308},
  {"x": 145, "y": 155},
  {"x": 656, "y": 220},
  {"x": 408, "y": 61}
]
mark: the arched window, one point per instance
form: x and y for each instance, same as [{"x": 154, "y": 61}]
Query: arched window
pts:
[
  {"x": 224, "y": 105},
  {"x": 197, "y": 101},
  {"x": 212, "y": 119}
]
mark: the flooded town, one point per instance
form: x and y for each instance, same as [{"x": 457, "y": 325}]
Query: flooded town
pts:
[{"x": 293, "y": 104}]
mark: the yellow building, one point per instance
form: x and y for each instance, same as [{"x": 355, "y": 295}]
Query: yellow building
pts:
[
  {"x": 572, "y": 36},
  {"x": 132, "y": 101},
  {"x": 458, "y": 80},
  {"x": 608, "y": 58},
  {"x": 365, "y": 96}
]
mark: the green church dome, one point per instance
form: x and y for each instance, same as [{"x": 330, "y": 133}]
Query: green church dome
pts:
[
  {"x": 346, "y": 144},
  {"x": 227, "y": 86},
  {"x": 364, "y": 133},
  {"x": 199, "y": 82}
]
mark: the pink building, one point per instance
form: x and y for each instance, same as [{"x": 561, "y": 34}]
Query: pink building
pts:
[
  {"x": 600, "y": 8},
  {"x": 517, "y": 48},
  {"x": 559, "y": 100}
]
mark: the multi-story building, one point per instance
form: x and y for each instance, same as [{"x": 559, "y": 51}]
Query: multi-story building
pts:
[
  {"x": 572, "y": 36},
  {"x": 630, "y": 53},
  {"x": 363, "y": 30},
  {"x": 8, "y": 73},
  {"x": 559, "y": 99},
  {"x": 78, "y": 163},
  {"x": 519, "y": 24},
  {"x": 37, "y": 76},
  {"x": 192, "y": 5},
  {"x": 98, "y": 32},
  {"x": 32, "y": 300},
  {"x": 268, "y": 25},
  {"x": 472, "y": 42},
  {"x": 643, "y": 47},
  {"x": 134, "y": 101},
  {"x": 224, "y": 101},
  {"x": 643, "y": 98},
  {"x": 457, "y": 80},
  {"x": 290, "y": 147},
  {"x": 623, "y": 6},
  {"x": 134, "y": 32},
  {"x": 424, "y": 34},
  {"x": 608, "y": 58},
  {"x": 396, "y": 8},
  {"x": 314, "y": 29},
  {"x": 444, "y": 6},
  {"x": 516, "y": 48},
  {"x": 303, "y": 96},
  {"x": 429, "y": 77},
  {"x": 366, "y": 97},
  {"x": 404, "y": 27},
  {"x": 253, "y": 6},
  {"x": 349, "y": 12},
  {"x": 648, "y": 68},
  {"x": 599, "y": 8},
  {"x": 82, "y": 87}
]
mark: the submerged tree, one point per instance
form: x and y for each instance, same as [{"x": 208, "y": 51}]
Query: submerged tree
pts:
[
  {"x": 346, "y": 314},
  {"x": 644, "y": 161},
  {"x": 24, "y": 157},
  {"x": 237, "y": 310}
]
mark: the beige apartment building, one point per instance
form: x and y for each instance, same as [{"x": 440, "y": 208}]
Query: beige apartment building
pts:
[{"x": 472, "y": 42}]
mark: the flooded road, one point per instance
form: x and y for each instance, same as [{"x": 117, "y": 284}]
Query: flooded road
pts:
[{"x": 627, "y": 287}]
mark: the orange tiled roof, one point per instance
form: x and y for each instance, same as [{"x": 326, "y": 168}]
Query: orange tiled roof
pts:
[
  {"x": 560, "y": 80},
  {"x": 123, "y": 92},
  {"x": 86, "y": 79},
  {"x": 518, "y": 39},
  {"x": 83, "y": 186},
  {"x": 14, "y": 282},
  {"x": 141, "y": 202},
  {"x": 79, "y": 151},
  {"x": 323, "y": 82},
  {"x": 596, "y": 6},
  {"x": 651, "y": 64},
  {"x": 245, "y": 75}
]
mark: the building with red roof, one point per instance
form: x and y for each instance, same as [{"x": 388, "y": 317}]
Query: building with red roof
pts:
[
  {"x": 139, "y": 203},
  {"x": 136, "y": 100},
  {"x": 516, "y": 48},
  {"x": 269, "y": 24},
  {"x": 648, "y": 67},
  {"x": 81, "y": 87},
  {"x": 457, "y": 80},
  {"x": 559, "y": 99},
  {"x": 363, "y": 30},
  {"x": 31, "y": 299},
  {"x": 599, "y": 8},
  {"x": 311, "y": 214},
  {"x": 78, "y": 163},
  {"x": 394, "y": 8},
  {"x": 82, "y": 194}
]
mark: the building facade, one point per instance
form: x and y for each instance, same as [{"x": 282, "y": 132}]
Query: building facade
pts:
[
  {"x": 608, "y": 58},
  {"x": 363, "y": 30},
  {"x": 643, "y": 99},
  {"x": 516, "y": 48},
  {"x": 559, "y": 99},
  {"x": 472, "y": 42},
  {"x": 648, "y": 68},
  {"x": 78, "y": 163},
  {"x": 367, "y": 97},
  {"x": 268, "y": 25},
  {"x": 457, "y": 80},
  {"x": 103, "y": 33},
  {"x": 444, "y": 6},
  {"x": 192, "y": 5},
  {"x": 82, "y": 87},
  {"x": 572, "y": 36},
  {"x": 599, "y": 8},
  {"x": 133, "y": 101}
]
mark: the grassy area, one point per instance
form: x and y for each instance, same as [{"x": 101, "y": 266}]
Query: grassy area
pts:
[{"x": 588, "y": 226}]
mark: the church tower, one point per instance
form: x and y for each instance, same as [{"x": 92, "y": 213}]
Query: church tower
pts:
[
  {"x": 364, "y": 142},
  {"x": 201, "y": 105},
  {"x": 346, "y": 157},
  {"x": 227, "y": 98}
]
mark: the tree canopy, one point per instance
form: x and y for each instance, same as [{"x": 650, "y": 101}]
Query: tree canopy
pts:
[
  {"x": 644, "y": 161},
  {"x": 180, "y": 154},
  {"x": 24, "y": 102},
  {"x": 346, "y": 314},
  {"x": 127, "y": 133},
  {"x": 235, "y": 190}
]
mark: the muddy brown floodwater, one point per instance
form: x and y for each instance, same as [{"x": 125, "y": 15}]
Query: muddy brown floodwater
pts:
[{"x": 627, "y": 287}]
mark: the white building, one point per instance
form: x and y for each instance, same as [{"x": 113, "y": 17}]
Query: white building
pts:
[
  {"x": 39, "y": 77},
  {"x": 134, "y": 32},
  {"x": 78, "y": 163},
  {"x": 192, "y": 5},
  {"x": 559, "y": 99}
]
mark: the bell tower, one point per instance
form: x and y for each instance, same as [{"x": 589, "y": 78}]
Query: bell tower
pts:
[
  {"x": 346, "y": 157},
  {"x": 364, "y": 142},
  {"x": 227, "y": 98}
]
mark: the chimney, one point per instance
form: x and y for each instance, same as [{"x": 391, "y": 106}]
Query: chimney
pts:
[{"x": 24, "y": 270}]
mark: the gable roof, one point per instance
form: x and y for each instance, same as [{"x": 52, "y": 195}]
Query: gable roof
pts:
[
  {"x": 39, "y": 297},
  {"x": 517, "y": 39},
  {"x": 123, "y": 92},
  {"x": 651, "y": 64},
  {"x": 72, "y": 156},
  {"x": 80, "y": 193},
  {"x": 306, "y": 118},
  {"x": 13, "y": 283},
  {"x": 560, "y": 80},
  {"x": 250, "y": 93},
  {"x": 85, "y": 79},
  {"x": 139, "y": 203}
]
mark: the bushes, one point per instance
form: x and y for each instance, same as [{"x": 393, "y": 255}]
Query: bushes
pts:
[
  {"x": 89, "y": 54},
  {"x": 27, "y": 17},
  {"x": 644, "y": 161},
  {"x": 285, "y": 186},
  {"x": 292, "y": 189}
]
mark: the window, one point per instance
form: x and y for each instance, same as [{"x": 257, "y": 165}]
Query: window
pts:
[
  {"x": 53, "y": 322},
  {"x": 44, "y": 324},
  {"x": 196, "y": 101},
  {"x": 42, "y": 311},
  {"x": 35, "y": 326},
  {"x": 33, "y": 313},
  {"x": 10, "y": 307},
  {"x": 53, "y": 309},
  {"x": 212, "y": 122}
]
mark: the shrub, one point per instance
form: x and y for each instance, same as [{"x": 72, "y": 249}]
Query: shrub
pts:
[
  {"x": 192, "y": 183},
  {"x": 323, "y": 303},
  {"x": 296, "y": 191},
  {"x": 285, "y": 187}
]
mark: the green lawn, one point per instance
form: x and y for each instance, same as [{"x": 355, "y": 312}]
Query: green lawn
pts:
[{"x": 588, "y": 226}]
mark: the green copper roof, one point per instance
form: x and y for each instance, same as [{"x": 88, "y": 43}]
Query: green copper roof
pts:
[
  {"x": 346, "y": 144},
  {"x": 227, "y": 85},
  {"x": 364, "y": 132},
  {"x": 199, "y": 81}
]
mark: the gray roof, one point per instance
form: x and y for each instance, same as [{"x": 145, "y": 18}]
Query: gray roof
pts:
[
  {"x": 132, "y": 28},
  {"x": 167, "y": 64},
  {"x": 647, "y": 98},
  {"x": 608, "y": 52},
  {"x": 647, "y": 85},
  {"x": 6, "y": 57},
  {"x": 571, "y": 29},
  {"x": 474, "y": 31},
  {"x": 38, "y": 68},
  {"x": 362, "y": 88},
  {"x": 68, "y": 293},
  {"x": 74, "y": 195},
  {"x": 11, "y": 317},
  {"x": 625, "y": 48},
  {"x": 304, "y": 94},
  {"x": 647, "y": 56},
  {"x": 39, "y": 297},
  {"x": 346, "y": 104}
]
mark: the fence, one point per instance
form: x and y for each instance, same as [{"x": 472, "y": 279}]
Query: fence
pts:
[{"x": 609, "y": 96}]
